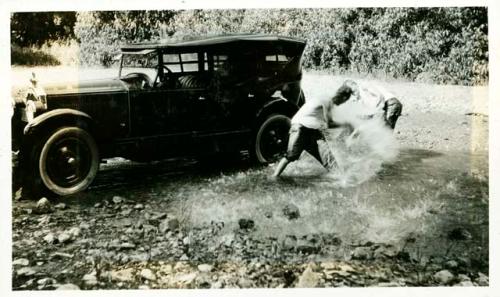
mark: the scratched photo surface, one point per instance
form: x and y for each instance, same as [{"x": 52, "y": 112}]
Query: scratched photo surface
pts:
[{"x": 250, "y": 148}]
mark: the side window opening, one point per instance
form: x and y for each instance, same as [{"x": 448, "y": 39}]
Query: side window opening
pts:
[{"x": 187, "y": 69}]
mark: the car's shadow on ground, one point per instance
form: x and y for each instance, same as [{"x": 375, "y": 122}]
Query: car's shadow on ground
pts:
[{"x": 123, "y": 176}]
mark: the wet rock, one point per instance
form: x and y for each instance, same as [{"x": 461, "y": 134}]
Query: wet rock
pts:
[
  {"x": 459, "y": 234},
  {"x": 20, "y": 262},
  {"x": 148, "y": 274},
  {"x": 60, "y": 206},
  {"x": 25, "y": 271},
  {"x": 117, "y": 199},
  {"x": 362, "y": 253},
  {"x": 205, "y": 267},
  {"x": 68, "y": 287},
  {"x": 123, "y": 275},
  {"x": 308, "y": 279},
  {"x": 43, "y": 206},
  {"x": 444, "y": 277},
  {"x": 291, "y": 211},
  {"x": 50, "y": 238},
  {"x": 246, "y": 224},
  {"x": 482, "y": 279}
]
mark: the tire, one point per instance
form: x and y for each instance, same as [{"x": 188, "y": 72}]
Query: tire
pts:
[
  {"x": 66, "y": 162},
  {"x": 270, "y": 139}
]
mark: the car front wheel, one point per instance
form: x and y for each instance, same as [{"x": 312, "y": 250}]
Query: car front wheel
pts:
[
  {"x": 67, "y": 161},
  {"x": 271, "y": 139}
]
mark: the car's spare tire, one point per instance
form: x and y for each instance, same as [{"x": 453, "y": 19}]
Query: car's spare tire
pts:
[
  {"x": 270, "y": 138},
  {"x": 66, "y": 161}
]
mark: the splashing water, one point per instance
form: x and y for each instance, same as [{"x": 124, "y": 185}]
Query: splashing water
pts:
[{"x": 359, "y": 154}]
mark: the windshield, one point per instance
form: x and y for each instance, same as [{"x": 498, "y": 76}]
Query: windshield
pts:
[{"x": 145, "y": 62}]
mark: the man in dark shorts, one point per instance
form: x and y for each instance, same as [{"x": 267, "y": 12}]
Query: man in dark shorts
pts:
[{"x": 316, "y": 116}]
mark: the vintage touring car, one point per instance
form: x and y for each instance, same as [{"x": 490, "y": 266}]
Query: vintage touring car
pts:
[{"x": 190, "y": 98}]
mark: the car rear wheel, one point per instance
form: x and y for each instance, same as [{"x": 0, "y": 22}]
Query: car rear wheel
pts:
[
  {"x": 67, "y": 161},
  {"x": 271, "y": 139}
]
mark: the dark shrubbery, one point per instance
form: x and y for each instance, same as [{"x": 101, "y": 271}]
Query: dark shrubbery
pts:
[
  {"x": 442, "y": 45},
  {"x": 29, "y": 56}
]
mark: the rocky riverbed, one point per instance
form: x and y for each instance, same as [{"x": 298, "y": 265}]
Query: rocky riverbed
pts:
[{"x": 420, "y": 221}]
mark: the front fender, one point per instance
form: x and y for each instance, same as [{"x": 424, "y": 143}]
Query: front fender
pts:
[
  {"x": 63, "y": 113},
  {"x": 278, "y": 104}
]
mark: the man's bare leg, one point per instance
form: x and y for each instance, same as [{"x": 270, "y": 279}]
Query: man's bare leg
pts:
[{"x": 281, "y": 166}]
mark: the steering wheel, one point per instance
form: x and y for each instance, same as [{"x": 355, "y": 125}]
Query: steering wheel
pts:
[
  {"x": 169, "y": 72},
  {"x": 146, "y": 81}
]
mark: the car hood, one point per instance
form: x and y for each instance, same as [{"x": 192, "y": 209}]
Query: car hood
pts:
[{"x": 109, "y": 85}]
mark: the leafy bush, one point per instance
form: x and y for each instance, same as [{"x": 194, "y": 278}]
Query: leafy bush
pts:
[{"x": 443, "y": 45}]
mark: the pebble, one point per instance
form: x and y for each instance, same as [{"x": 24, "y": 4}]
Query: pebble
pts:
[
  {"x": 26, "y": 271},
  {"x": 117, "y": 199},
  {"x": 452, "y": 264},
  {"x": 246, "y": 224},
  {"x": 123, "y": 275},
  {"x": 308, "y": 279},
  {"x": 60, "y": 206},
  {"x": 20, "y": 262},
  {"x": 46, "y": 281},
  {"x": 139, "y": 206},
  {"x": 43, "y": 206},
  {"x": 444, "y": 277},
  {"x": 361, "y": 253},
  {"x": 186, "y": 278},
  {"x": 64, "y": 237},
  {"x": 291, "y": 211},
  {"x": 482, "y": 279},
  {"x": 289, "y": 242},
  {"x": 205, "y": 267},
  {"x": 90, "y": 279},
  {"x": 50, "y": 238},
  {"x": 148, "y": 274},
  {"x": 68, "y": 287}
]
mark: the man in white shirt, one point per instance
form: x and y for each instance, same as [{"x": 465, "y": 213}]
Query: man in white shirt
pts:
[{"x": 315, "y": 116}]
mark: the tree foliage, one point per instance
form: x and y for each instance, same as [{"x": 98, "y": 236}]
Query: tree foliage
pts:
[
  {"x": 37, "y": 28},
  {"x": 444, "y": 45}
]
